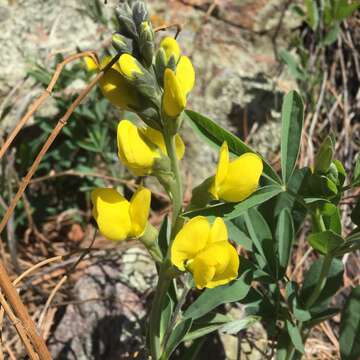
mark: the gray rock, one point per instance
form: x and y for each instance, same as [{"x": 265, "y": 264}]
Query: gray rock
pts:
[{"x": 107, "y": 317}]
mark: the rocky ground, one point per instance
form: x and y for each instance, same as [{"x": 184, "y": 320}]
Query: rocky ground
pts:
[{"x": 239, "y": 84}]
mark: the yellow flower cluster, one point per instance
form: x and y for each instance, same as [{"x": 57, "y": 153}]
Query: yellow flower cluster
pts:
[
  {"x": 205, "y": 251},
  {"x": 199, "y": 247}
]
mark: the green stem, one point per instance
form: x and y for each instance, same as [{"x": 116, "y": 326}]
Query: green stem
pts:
[
  {"x": 176, "y": 313},
  {"x": 155, "y": 314},
  {"x": 176, "y": 191},
  {"x": 318, "y": 225}
]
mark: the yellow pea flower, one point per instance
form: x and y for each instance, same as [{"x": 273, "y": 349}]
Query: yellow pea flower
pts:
[
  {"x": 140, "y": 147},
  {"x": 114, "y": 86},
  {"x": 171, "y": 48},
  {"x": 185, "y": 74},
  {"x": 134, "y": 151},
  {"x": 157, "y": 139},
  {"x": 117, "y": 218},
  {"x": 177, "y": 85},
  {"x": 236, "y": 180},
  {"x": 205, "y": 251},
  {"x": 174, "y": 99},
  {"x": 129, "y": 66}
]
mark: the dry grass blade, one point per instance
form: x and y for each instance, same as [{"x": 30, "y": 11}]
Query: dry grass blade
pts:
[{"x": 49, "y": 301}]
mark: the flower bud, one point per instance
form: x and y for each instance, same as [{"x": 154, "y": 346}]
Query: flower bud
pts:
[
  {"x": 121, "y": 43},
  {"x": 171, "y": 48},
  {"x": 114, "y": 86},
  {"x": 205, "y": 251},
  {"x": 117, "y": 218},
  {"x": 125, "y": 19},
  {"x": 236, "y": 180},
  {"x": 129, "y": 67},
  {"x": 146, "y": 42},
  {"x": 160, "y": 66},
  {"x": 177, "y": 85},
  {"x": 174, "y": 100},
  {"x": 140, "y": 12}
]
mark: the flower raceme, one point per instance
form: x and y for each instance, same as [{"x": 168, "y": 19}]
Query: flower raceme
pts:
[
  {"x": 117, "y": 218},
  {"x": 140, "y": 147},
  {"x": 205, "y": 251},
  {"x": 236, "y": 180},
  {"x": 178, "y": 83},
  {"x": 114, "y": 85}
]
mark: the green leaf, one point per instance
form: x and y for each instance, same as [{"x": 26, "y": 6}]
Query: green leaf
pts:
[
  {"x": 230, "y": 211},
  {"x": 215, "y": 135},
  {"x": 333, "y": 221},
  {"x": 351, "y": 244},
  {"x": 236, "y": 326},
  {"x": 206, "y": 325},
  {"x": 332, "y": 35},
  {"x": 261, "y": 236},
  {"x": 292, "y": 298},
  {"x": 294, "y": 68},
  {"x": 292, "y": 123},
  {"x": 321, "y": 316},
  {"x": 312, "y": 13},
  {"x": 285, "y": 235},
  {"x": 355, "y": 214},
  {"x": 333, "y": 283},
  {"x": 324, "y": 156},
  {"x": 350, "y": 327},
  {"x": 211, "y": 298},
  {"x": 295, "y": 336},
  {"x": 164, "y": 236},
  {"x": 166, "y": 315},
  {"x": 356, "y": 176},
  {"x": 326, "y": 242},
  {"x": 238, "y": 236},
  {"x": 177, "y": 336},
  {"x": 344, "y": 9}
]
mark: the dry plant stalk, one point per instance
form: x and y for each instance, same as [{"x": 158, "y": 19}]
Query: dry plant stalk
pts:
[{"x": 6, "y": 285}]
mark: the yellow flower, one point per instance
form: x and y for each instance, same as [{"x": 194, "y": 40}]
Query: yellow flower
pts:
[
  {"x": 139, "y": 147},
  {"x": 177, "y": 85},
  {"x": 117, "y": 218},
  {"x": 156, "y": 138},
  {"x": 171, "y": 48},
  {"x": 235, "y": 180},
  {"x": 114, "y": 86},
  {"x": 174, "y": 99},
  {"x": 90, "y": 63},
  {"x": 205, "y": 251},
  {"x": 185, "y": 74},
  {"x": 129, "y": 66}
]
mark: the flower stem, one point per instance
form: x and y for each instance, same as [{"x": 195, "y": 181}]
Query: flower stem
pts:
[
  {"x": 156, "y": 308},
  {"x": 165, "y": 273},
  {"x": 176, "y": 191}
]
